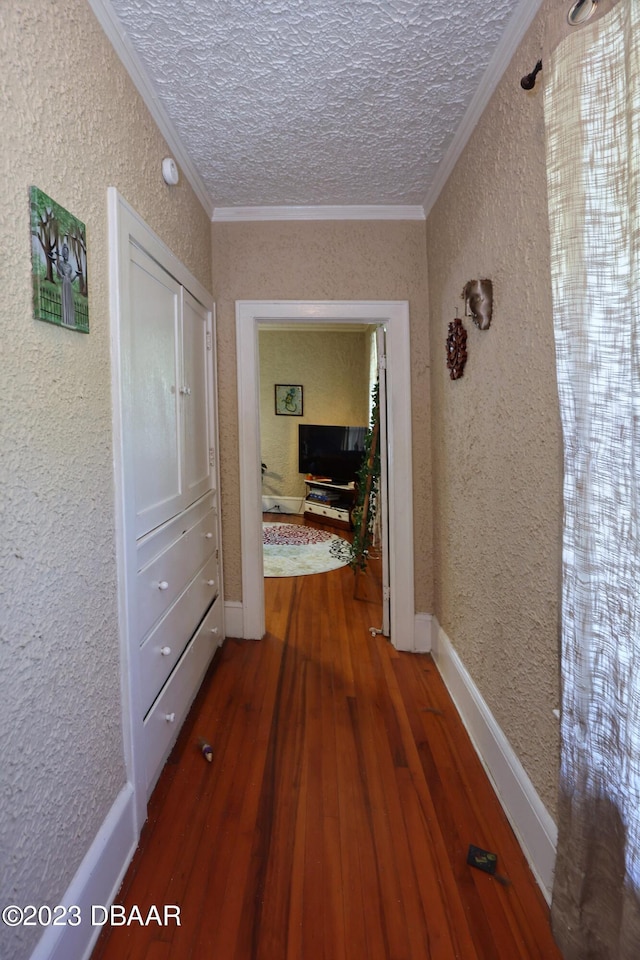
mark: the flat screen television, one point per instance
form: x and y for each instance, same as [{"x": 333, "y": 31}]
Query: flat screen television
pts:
[{"x": 330, "y": 451}]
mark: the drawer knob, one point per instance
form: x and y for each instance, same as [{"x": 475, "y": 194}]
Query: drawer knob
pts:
[
  {"x": 210, "y": 583},
  {"x": 163, "y": 585},
  {"x": 165, "y": 651},
  {"x": 214, "y": 629},
  {"x": 169, "y": 717},
  {"x": 208, "y": 536}
]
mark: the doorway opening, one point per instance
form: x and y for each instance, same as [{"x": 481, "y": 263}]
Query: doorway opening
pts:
[
  {"x": 394, "y": 317},
  {"x": 318, "y": 425}
]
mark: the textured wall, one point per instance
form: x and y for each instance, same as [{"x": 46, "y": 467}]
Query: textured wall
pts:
[
  {"x": 333, "y": 369},
  {"x": 72, "y": 124},
  {"x": 330, "y": 260},
  {"x": 496, "y": 435}
]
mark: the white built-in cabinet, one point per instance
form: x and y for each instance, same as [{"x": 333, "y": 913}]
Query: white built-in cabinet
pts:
[
  {"x": 167, "y": 479},
  {"x": 170, "y": 349}
]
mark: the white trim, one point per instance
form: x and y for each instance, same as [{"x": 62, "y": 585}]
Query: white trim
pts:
[
  {"x": 120, "y": 42},
  {"x": 286, "y": 504},
  {"x": 518, "y": 25},
  {"x": 531, "y": 822},
  {"x": 395, "y": 315},
  {"x": 422, "y": 631},
  {"x": 119, "y": 232},
  {"x": 509, "y": 42},
  {"x": 353, "y": 212},
  {"x": 96, "y": 881},
  {"x": 146, "y": 239},
  {"x": 233, "y": 619}
]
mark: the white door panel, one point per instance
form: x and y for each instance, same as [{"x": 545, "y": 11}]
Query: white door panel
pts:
[{"x": 153, "y": 402}]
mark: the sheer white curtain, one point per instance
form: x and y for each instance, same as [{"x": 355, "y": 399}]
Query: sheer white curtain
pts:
[{"x": 592, "y": 113}]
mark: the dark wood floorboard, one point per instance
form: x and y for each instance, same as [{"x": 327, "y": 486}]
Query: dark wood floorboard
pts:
[{"x": 335, "y": 818}]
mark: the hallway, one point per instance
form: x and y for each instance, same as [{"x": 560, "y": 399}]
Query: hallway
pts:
[{"x": 335, "y": 818}]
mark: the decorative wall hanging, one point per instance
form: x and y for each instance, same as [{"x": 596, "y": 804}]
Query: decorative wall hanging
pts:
[
  {"x": 456, "y": 349},
  {"x": 478, "y": 301},
  {"x": 288, "y": 400},
  {"x": 58, "y": 264}
]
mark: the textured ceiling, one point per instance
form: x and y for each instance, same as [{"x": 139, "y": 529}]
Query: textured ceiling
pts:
[{"x": 299, "y": 102}]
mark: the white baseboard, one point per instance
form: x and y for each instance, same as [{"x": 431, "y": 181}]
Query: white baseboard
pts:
[
  {"x": 532, "y": 824},
  {"x": 422, "y": 627},
  {"x": 282, "y": 504},
  {"x": 233, "y": 619},
  {"x": 97, "y": 881}
]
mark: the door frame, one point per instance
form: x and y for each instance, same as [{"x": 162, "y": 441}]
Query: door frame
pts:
[{"x": 394, "y": 314}]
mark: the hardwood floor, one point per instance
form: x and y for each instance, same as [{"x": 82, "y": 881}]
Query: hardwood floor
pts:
[{"x": 335, "y": 818}]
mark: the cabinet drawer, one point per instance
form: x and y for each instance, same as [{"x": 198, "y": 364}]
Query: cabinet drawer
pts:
[
  {"x": 162, "y": 648},
  {"x": 162, "y": 723},
  {"x": 336, "y": 513},
  {"x": 153, "y": 544},
  {"x": 164, "y": 579}
]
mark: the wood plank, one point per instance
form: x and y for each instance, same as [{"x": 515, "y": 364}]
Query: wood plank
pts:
[
  {"x": 376, "y": 764},
  {"x": 334, "y": 820},
  {"x": 353, "y": 838},
  {"x": 219, "y": 938},
  {"x": 469, "y": 812}
]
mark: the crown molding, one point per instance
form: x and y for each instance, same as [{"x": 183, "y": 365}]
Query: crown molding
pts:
[
  {"x": 365, "y": 212},
  {"x": 112, "y": 27},
  {"x": 509, "y": 43},
  {"x": 516, "y": 29}
]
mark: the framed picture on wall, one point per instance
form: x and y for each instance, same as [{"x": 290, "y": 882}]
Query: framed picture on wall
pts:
[
  {"x": 58, "y": 264},
  {"x": 288, "y": 400}
]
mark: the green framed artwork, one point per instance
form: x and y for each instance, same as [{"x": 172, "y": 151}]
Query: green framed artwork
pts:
[
  {"x": 58, "y": 264},
  {"x": 288, "y": 400}
]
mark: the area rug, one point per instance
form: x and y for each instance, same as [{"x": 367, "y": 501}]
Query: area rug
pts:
[{"x": 290, "y": 550}]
